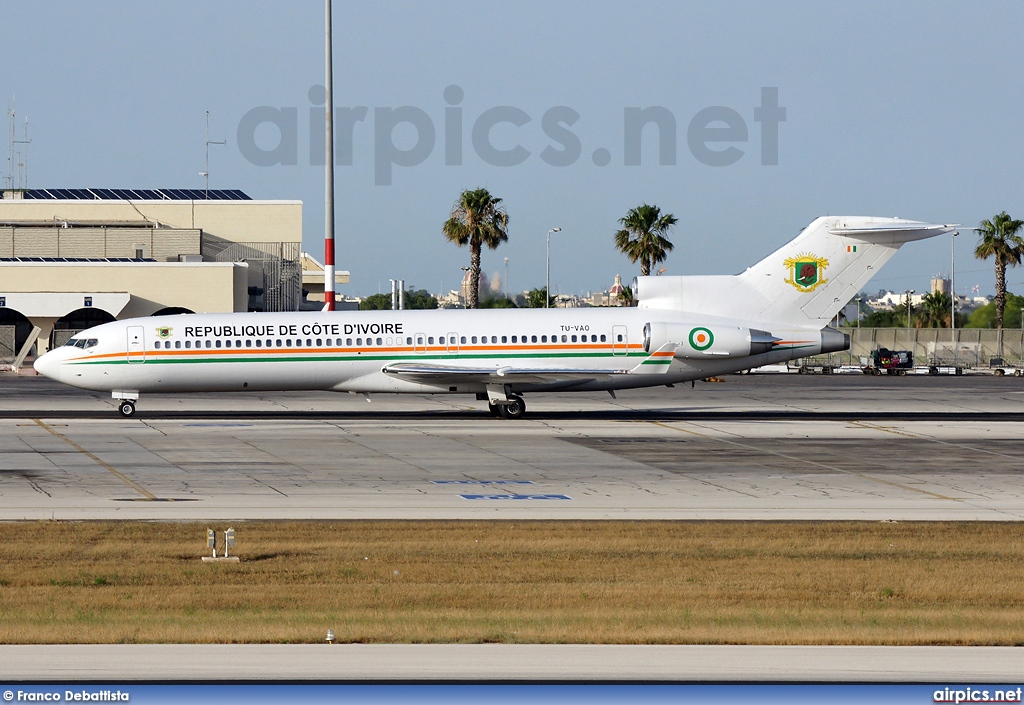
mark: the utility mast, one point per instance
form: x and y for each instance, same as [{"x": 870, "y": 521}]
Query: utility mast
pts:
[
  {"x": 206, "y": 174},
  {"x": 329, "y": 175}
]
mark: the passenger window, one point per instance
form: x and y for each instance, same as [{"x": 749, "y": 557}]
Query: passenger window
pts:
[
  {"x": 543, "y": 339},
  {"x": 504, "y": 338},
  {"x": 217, "y": 344},
  {"x": 419, "y": 340},
  {"x": 573, "y": 338},
  {"x": 473, "y": 339},
  {"x": 603, "y": 338},
  {"x": 248, "y": 343},
  {"x": 583, "y": 338},
  {"x": 533, "y": 339},
  {"x": 288, "y": 342},
  {"x": 348, "y": 342},
  {"x": 430, "y": 340},
  {"x": 188, "y": 343},
  {"x": 494, "y": 339},
  {"x": 156, "y": 345},
  {"x": 319, "y": 342},
  {"x": 619, "y": 337},
  {"x": 462, "y": 340},
  {"x": 227, "y": 343},
  {"x": 514, "y": 340},
  {"x": 259, "y": 343},
  {"x": 563, "y": 338},
  {"x": 359, "y": 342},
  {"x": 381, "y": 342},
  {"x": 177, "y": 344}
]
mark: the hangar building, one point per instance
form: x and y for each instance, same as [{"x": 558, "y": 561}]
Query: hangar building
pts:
[{"x": 73, "y": 258}]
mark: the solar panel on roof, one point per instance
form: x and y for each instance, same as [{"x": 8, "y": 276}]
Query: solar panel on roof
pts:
[{"x": 123, "y": 194}]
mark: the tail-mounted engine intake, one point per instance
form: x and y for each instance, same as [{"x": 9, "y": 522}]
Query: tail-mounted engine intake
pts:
[{"x": 704, "y": 341}]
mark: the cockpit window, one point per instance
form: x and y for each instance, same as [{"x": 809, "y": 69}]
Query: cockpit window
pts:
[
  {"x": 91, "y": 342},
  {"x": 73, "y": 342}
]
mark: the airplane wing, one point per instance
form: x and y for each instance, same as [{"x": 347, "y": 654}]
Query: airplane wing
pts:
[{"x": 657, "y": 362}]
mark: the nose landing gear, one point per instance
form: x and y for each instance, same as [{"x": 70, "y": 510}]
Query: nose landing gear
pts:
[{"x": 126, "y": 399}]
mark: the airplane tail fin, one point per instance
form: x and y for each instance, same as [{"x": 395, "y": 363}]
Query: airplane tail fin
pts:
[{"x": 805, "y": 282}]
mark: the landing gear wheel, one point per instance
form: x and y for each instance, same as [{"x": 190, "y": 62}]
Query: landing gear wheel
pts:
[
  {"x": 514, "y": 409},
  {"x": 126, "y": 409},
  {"x": 495, "y": 409}
]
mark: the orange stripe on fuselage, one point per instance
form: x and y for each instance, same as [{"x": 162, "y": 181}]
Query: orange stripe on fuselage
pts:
[{"x": 353, "y": 350}]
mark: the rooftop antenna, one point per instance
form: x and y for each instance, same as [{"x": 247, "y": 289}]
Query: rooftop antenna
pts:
[
  {"x": 206, "y": 174},
  {"x": 10, "y": 144},
  {"x": 329, "y": 173},
  {"x": 23, "y": 159}
]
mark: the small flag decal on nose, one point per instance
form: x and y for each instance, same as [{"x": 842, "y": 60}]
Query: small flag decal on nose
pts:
[{"x": 851, "y": 248}]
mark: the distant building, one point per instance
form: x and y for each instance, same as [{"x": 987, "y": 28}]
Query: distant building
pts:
[{"x": 73, "y": 258}]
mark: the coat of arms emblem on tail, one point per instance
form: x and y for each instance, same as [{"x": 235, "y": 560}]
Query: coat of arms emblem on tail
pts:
[{"x": 805, "y": 271}]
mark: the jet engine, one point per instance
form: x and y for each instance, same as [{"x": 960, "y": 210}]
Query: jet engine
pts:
[{"x": 704, "y": 341}]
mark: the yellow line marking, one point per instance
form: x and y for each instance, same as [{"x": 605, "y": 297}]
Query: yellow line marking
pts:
[
  {"x": 113, "y": 471},
  {"x": 808, "y": 462}
]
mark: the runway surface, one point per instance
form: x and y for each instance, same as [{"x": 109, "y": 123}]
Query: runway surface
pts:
[
  {"x": 754, "y": 446},
  {"x": 120, "y": 663}
]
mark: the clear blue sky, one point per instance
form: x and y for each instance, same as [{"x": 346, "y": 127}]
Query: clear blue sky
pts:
[{"x": 911, "y": 109}]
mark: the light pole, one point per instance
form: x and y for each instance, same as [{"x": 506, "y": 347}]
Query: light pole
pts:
[
  {"x": 952, "y": 292},
  {"x": 506, "y": 277},
  {"x": 858, "y": 312},
  {"x": 908, "y": 292},
  {"x": 547, "y": 271}
]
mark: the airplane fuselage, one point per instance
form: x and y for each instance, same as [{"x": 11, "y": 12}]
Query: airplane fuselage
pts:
[{"x": 350, "y": 351}]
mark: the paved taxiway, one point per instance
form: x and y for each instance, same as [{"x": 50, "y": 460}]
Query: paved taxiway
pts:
[
  {"x": 118, "y": 663},
  {"x": 754, "y": 446}
]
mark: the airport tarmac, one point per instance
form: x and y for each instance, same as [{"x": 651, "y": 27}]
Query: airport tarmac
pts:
[{"x": 751, "y": 447}]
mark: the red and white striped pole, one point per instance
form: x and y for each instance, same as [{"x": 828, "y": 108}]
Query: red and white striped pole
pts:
[{"x": 329, "y": 177}]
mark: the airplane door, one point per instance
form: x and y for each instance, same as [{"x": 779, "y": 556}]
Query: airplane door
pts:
[
  {"x": 421, "y": 343},
  {"x": 136, "y": 345},
  {"x": 620, "y": 340},
  {"x": 453, "y": 344}
]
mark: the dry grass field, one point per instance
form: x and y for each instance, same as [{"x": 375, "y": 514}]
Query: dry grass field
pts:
[{"x": 516, "y": 582}]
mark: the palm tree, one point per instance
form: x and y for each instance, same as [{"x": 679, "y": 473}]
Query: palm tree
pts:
[
  {"x": 643, "y": 237},
  {"x": 999, "y": 238},
  {"x": 477, "y": 219},
  {"x": 934, "y": 311}
]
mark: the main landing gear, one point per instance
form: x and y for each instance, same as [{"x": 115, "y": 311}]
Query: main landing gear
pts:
[
  {"x": 514, "y": 408},
  {"x": 506, "y": 405},
  {"x": 126, "y": 408}
]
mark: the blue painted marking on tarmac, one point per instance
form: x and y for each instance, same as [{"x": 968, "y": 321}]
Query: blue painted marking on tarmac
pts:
[
  {"x": 515, "y": 496},
  {"x": 481, "y": 482}
]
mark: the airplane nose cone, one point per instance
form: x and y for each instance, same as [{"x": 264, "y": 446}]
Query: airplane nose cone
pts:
[{"x": 47, "y": 366}]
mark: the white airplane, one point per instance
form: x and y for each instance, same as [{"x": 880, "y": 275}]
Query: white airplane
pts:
[{"x": 684, "y": 328}]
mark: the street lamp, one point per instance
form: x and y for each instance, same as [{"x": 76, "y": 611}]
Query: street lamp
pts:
[
  {"x": 547, "y": 272},
  {"x": 952, "y": 292},
  {"x": 858, "y": 312},
  {"x": 908, "y": 293},
  {"x": 506, "y": 277}
]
